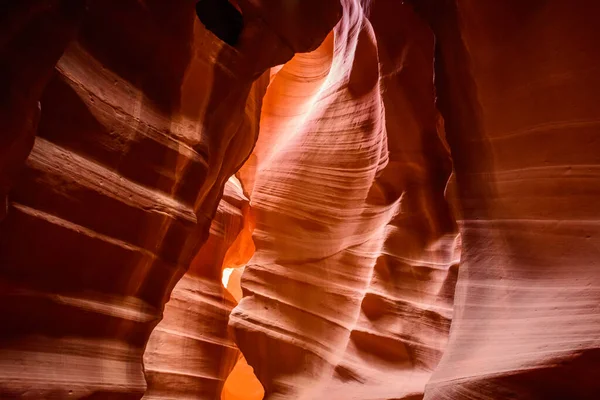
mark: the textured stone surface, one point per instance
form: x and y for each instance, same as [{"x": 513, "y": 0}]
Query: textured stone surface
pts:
[
  {"x": 516, "y": 84},
  {"x": 33, "y": 36},
  {"x": 349, "y": 294},
  {"x": 190, "y": 353},
  {"x": 144, "y": 119},
  {"x": 373, "y": 158}
]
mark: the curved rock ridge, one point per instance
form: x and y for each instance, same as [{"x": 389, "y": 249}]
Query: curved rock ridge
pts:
[
  {"x": 349, "y": 293},
  {"x": 190, "y": 353},
  {"x": 143, "y": 121},
  {"x": 522, "y": 180},
  {"x": 377, "y": 145},
  {"x": 293, "y": 89},
  {"x": 406, "y": 311}
]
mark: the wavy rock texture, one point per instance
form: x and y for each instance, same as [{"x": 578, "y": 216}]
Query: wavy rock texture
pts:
[
  {"x": 349, "y": 294},
  {"x": 365, "y": 314},
  {"x": 413, "y": 135},
  {"x": 406, "y": 311},
  {"x": 190, "y": 354},
  {"x": 114, "y": 202},
  {"x": 144, "y": 120},
  {"x": 517, "y": 85}
]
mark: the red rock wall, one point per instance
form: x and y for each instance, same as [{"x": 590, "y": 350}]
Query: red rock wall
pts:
[
  {"x": 31, "y": 30},
  {"x": 115, "y": 199},
  {"x": 190, "y": 354},
  {"x": 516, "y": 87},
  {"x": 144, "y": 119},
  {"x": 516, "y": 84},
  {"x": 413, "y": 136},
  {"x": 349, "y": 294}
]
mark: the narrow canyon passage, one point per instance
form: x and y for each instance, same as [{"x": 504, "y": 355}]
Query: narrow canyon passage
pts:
[{"x": 299, "y": 199}]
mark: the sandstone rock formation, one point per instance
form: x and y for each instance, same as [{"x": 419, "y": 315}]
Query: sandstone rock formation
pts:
[
  {"x": 414, "y": 213},
  {"x": 34, "y": 34},
  {"x": 142, "y": 123},
  {"x": 526, "y": 318},
  {"x": 190, "y": 354},
  {"x": 516, "y": 83},
  {"x": 349, "y": 294}
]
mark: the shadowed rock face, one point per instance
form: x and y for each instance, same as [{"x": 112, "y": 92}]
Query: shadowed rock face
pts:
[
  {"x": 221, "y": 18},
  {"x": 377, "y": 145},
  {"x": 143, "y": 120},
  {"x": 190, "y": 354},
  {"x": 31, "y": 30}
]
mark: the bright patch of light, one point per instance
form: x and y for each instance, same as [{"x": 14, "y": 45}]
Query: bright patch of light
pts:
[{"x": 226, "y": 274}]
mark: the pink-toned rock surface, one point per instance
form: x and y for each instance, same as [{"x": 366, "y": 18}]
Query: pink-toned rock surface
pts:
[
  {"x": 523, "y": 136},
  {"x": 406, "y": 311},
  {"x": 349, "y": 294},
  {"x": 517, "y": 84},
  {"x": 416, "y": 215}
]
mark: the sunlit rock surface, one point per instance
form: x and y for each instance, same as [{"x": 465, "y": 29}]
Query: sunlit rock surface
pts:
[
  {"x": 414, "y": 212},
  {"x": 349, "y": 294}
]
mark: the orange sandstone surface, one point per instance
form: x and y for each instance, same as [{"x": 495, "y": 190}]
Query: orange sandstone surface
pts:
[{"x": 300, "y": 199}]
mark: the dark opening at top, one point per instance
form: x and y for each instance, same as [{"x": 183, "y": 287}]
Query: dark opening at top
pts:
[{"x": 221, "y": 18}]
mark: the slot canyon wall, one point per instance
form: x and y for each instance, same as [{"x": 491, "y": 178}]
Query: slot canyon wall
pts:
[{"x": 343, "y": 199}]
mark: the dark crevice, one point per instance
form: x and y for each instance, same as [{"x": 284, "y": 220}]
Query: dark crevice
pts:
[{"x": 221, "y": 18}]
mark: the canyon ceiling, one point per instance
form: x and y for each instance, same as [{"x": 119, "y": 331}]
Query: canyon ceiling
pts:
[{"x": 300, "y": 199}]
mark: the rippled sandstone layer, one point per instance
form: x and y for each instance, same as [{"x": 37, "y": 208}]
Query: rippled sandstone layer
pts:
[
  {"x": 349, "y": 294},
  {"x": 143, "y": 120},
  {"x": 373, "y": 158},
  {"x": 516, "y": 84}
]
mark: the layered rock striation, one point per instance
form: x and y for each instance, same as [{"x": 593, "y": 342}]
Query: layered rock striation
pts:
[
  {"x": 144, "y": 119},
  {"x": 190, "y": 353},
  {"x": 516, "y": 84},
  {"x": 414, "y": 213},
  {"x": 349, "y": 294}
]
